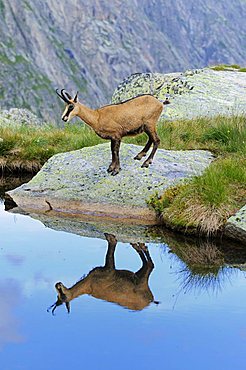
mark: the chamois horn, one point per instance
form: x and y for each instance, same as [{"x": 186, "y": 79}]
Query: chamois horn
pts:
[
  {"x": 58, "y": 303},
  {"x": 76, "y": 97},
  {"x": 62, "y": 96},
  {"x": 67, "y": 94}
]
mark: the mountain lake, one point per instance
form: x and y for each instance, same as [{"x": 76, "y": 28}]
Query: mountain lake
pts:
[{"x": 184, "y": 309}]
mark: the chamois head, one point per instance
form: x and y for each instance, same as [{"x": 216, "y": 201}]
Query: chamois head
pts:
[
  {"x": 62, "y": 297},
  {"x": 71, "y": 109}
]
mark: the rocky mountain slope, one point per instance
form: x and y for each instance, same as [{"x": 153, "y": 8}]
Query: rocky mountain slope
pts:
[{"x": 93, "y": 45}]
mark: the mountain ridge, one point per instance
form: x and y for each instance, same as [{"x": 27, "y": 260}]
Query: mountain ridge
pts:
[{"x": 92, "y": 46}]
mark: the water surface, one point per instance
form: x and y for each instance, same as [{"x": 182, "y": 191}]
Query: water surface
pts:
[{"x": 199, "y": 322}]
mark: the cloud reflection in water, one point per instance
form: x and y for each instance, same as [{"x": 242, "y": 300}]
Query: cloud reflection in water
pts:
[{"x": 11, "y": 296}]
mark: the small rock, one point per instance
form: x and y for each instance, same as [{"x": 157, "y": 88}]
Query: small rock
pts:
[{"x": 236, "y": 226}]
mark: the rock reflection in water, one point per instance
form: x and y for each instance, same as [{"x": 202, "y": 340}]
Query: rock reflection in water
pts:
[{"x": 126, "y": 288}]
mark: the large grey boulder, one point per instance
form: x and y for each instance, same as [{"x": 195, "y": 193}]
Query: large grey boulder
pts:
[
  {"x": 77, "y": 182},
  {"x": 194, "y": 93}
]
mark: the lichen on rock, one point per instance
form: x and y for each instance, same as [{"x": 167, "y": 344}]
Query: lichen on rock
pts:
[
  {"x": 194, "y": 93},
  {"x": 78, "y": 181}
]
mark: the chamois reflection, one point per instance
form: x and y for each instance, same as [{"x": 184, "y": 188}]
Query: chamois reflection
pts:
[{"x": 126, "y": 288}]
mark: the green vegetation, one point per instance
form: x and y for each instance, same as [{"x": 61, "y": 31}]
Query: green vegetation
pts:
[
  {"x": 27, "y": 6},
  {"x": 204, "y": 203},
  {"x": 2, "y": 8},
  {"x": 228, "y": 67},
  {"x": 26, "y": 148},
  {"x": 221, "y": 135}
]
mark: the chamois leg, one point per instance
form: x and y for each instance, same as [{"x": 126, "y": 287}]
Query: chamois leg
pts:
[
  {"x": 148, "y": 265},
  {"x": 143, "y": 252},
  {"x": 143, "y": 152},
  {"x": 114, "y": 167},
  {"x": 109, "y": 260},
  {"x": 156, "y": 142},
  {"x": 139, "y": 251},
  {"x": 117, "y": 155},
  {"x": 113, "y": 163}
]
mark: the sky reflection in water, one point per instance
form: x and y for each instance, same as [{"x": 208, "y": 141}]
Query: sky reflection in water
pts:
[{"x": 198, "y": 324}]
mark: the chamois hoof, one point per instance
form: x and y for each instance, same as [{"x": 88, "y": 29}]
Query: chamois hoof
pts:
[
  {"x": 110, "y": 238},
  {"x": 143, "y": 247},
  {"x": 146, "y": 164},
  {"x": 139, "y": 157},
  {"x": 113, "y": 170},
  {"x": 139, "y": 247}
]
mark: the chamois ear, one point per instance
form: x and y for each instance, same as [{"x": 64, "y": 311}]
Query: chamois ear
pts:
[{"x": 76, "y": 97}]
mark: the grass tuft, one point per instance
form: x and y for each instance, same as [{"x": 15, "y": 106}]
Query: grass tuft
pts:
[
  {"x": 227, "y": 67},
  {"x": 205, "y": 202}
]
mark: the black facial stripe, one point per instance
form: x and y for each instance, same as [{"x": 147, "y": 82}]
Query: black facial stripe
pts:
[{"x": 70, "y": 108}]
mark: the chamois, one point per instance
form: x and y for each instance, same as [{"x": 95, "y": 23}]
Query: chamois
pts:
[
  {"x": 126, "y": 288},
  {"x": 113, "y": 122}
]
